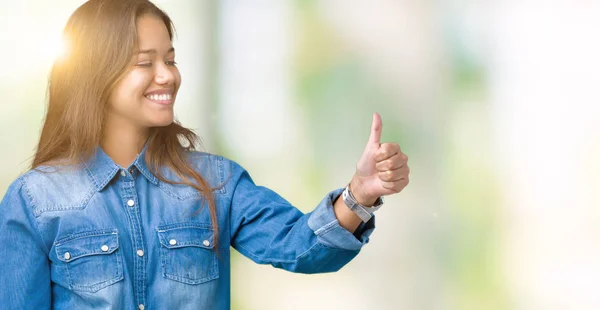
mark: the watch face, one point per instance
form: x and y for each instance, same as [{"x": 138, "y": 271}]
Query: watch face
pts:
[{"x": 345, "y": 193}]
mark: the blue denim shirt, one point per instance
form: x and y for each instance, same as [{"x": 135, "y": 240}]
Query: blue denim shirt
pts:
[{"x": 98, "y": 236}]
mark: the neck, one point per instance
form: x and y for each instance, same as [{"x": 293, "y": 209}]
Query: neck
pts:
[{"x": 122, "y": 142}]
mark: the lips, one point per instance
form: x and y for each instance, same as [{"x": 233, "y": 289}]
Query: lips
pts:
[{"x": 160, "y": 97}]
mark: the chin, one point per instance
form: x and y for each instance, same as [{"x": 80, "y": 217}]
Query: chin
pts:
[{"x": 161, "y": 122}]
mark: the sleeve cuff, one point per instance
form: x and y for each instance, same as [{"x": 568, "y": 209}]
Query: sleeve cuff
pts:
[{"x": 328, "y": 230}]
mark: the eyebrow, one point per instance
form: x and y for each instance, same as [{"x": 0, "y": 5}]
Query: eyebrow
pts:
[{"x": 153, "y": 51}]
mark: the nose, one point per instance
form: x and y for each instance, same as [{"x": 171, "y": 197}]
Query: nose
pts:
[{"x": 164, "y": 75}]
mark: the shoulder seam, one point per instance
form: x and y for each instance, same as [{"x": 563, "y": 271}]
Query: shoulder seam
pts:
[{"x": 31, "y": 213}]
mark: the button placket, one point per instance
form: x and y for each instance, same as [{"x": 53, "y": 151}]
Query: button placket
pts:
[{"x": 128, "y": 188}]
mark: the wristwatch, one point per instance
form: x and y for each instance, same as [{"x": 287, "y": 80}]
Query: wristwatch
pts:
[{"x": 363, "y": 212}]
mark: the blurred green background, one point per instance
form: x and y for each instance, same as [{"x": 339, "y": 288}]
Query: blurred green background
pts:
[{"x": 493, "y": 102}]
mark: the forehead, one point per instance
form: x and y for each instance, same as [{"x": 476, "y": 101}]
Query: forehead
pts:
[{"x": 152, "y": 33}]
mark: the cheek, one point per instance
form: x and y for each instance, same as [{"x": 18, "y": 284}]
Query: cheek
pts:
[
  {"x": 130, "y": 88},
  {"x": 138, "y": 83}
]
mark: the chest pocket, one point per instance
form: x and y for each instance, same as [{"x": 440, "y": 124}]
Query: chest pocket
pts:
[
  {"x": 89, "y": 261},
  {"x": 187, "y": 253}
]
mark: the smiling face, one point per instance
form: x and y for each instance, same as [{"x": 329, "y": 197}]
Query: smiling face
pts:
[{"x": 145, "y": 95}]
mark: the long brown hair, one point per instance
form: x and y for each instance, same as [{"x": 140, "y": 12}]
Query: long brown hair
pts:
[{"x": 101, "y": 36}]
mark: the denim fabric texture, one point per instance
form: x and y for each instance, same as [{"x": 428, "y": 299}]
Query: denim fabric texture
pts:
[{"x": 100, "y": 236}]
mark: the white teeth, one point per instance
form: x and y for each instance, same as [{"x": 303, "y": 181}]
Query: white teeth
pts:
[{"x": 163, "y": 97}]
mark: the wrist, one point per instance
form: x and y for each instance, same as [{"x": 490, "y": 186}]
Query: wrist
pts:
[{"x": 359, "y": 193}]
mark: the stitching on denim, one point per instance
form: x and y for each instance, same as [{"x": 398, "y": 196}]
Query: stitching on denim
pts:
[
  {"x": 78, "y": 206},
  {"x": 164, "y": 229},
  {"x": 100, "y": 285},
  {"x": 164, "y": 187},
  {"x": 326, "y": 228},
  {"x": 220, "y": 171},
  {"x": 140, "y": 163},
  {"x": 97, "y": 286},
  {"x": 91, "y": 175},
  {"x": 308, "y": 250},
  {"x": 84, "y": 234},
  {"x": 163, "y": 258},
  {"x": 220, "y": 160},
  {"x": 170, "y": 226},
  {"x": 191, "y": 281},
  {"x": 109, "y": 177},
  {"x": 250, "y": 253},
  {"x": 149, "y": 176},
  {"x": 34, "y": 218}
]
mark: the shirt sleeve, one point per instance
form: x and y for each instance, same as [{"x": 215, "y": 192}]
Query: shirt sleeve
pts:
[
  {"x": 269, "y": 230},
  {"x": 25, "y": 268}
]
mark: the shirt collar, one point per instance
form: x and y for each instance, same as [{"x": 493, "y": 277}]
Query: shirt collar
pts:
[
  {"x": 102, "y": 169},
  {"x": 140, "y": 164}
]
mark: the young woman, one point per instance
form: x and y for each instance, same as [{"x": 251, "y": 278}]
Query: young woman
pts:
[{"x": 119, "y": 211}]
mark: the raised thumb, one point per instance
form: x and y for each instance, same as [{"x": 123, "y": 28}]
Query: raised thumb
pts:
[{"x": 376, "y": 127}]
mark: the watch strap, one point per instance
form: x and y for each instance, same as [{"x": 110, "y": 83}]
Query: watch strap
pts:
[{"x": 363, "y": 212}]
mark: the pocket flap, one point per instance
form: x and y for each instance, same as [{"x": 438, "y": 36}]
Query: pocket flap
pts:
[
  {"x": 176, "y": 237},
  {"x": 88, "y": 243}
]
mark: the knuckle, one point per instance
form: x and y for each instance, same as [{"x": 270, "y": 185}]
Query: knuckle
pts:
[
  {"x": 389, "y": 164},
  {"x": 386, "y": 148},
  {"x": 384, "y": 153}
]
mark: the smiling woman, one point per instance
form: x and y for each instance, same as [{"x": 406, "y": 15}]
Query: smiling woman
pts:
[
  {"x": 120, "y": 211},
  {"x": 145, "y": 94}
]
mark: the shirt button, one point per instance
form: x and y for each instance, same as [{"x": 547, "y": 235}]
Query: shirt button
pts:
[
  {"x": 141, "y": 306},
  {"x": 104, "y": 248},
  {"x": 206, "y": 242},
  {"x": 140, "y": 253},
  {"x": 123, "y": 173},
  {"x": 130, "y": 202},
  {"x": 172, "y": 242},
  {"x": 67, "y": 256}
]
